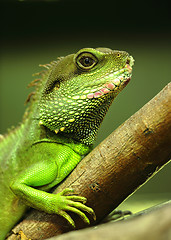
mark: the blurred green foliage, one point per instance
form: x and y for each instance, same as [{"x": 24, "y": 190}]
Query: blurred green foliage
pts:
[{"x": 34, "y": 33}]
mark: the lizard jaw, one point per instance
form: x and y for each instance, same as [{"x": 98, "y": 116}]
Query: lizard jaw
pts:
[{"x": 120, "y": 81}]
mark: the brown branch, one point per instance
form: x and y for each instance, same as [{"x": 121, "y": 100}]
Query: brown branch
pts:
[{"x": 115, "y": 169}]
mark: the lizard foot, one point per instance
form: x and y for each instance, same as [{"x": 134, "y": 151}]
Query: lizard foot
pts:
[{"x": 67, "y": 202}]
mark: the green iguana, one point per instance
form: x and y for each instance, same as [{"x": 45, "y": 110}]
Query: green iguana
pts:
[{"x": 59, "y": 127}]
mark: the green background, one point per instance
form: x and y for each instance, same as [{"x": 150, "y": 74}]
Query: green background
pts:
[{"x": 34, "y": 32}]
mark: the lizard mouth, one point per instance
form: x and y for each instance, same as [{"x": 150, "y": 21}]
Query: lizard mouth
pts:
[{"x": 115, "y": 81}]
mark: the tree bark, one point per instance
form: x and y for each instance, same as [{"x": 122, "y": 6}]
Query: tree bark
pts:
[{"x": 124, "y": 161}]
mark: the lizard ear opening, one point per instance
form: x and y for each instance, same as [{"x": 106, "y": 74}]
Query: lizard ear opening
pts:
[{"x": 54, "y": 85}]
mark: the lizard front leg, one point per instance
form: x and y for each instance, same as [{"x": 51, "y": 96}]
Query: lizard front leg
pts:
[{"x": 47, "y": 174}]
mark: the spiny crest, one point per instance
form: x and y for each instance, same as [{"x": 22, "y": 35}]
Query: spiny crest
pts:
[
  {"x": 12, "y": 132},
  {"x": 38, "y": 81}
]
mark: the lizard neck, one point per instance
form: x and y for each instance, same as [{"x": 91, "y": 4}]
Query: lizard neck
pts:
[{"x": 33, "y": 133}]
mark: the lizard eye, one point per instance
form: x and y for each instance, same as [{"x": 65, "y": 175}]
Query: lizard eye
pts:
[{"x": 86, "y": 61}]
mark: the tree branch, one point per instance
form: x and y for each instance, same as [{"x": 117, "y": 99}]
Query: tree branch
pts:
[{"x": 113, "y": 170}]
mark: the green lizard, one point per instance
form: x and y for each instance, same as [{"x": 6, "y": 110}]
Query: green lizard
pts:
[{"x": 59, "y": 127}]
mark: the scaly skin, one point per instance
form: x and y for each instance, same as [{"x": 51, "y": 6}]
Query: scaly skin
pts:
[{"x": 71, "y": 99}]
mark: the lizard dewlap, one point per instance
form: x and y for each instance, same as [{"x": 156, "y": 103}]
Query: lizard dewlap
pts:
[{"x": 59, "y": 127}]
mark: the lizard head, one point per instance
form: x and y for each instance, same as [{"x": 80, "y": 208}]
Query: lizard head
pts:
[{"x": 79, "y": 90}]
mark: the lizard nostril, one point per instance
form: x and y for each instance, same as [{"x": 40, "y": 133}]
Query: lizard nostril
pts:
[{"x": 128, "y": 61}]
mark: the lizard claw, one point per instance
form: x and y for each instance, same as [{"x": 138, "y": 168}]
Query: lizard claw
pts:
[{"x": 74, "y": 204}]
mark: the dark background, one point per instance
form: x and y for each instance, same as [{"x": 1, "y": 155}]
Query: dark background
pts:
[{"x": 34, "y": 32}]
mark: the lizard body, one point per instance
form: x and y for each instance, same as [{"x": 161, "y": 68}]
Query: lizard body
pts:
[{"x": 59, "y": 127}]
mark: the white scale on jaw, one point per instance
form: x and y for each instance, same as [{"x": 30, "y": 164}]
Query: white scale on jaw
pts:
[{"x": 113, "y": 84}]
